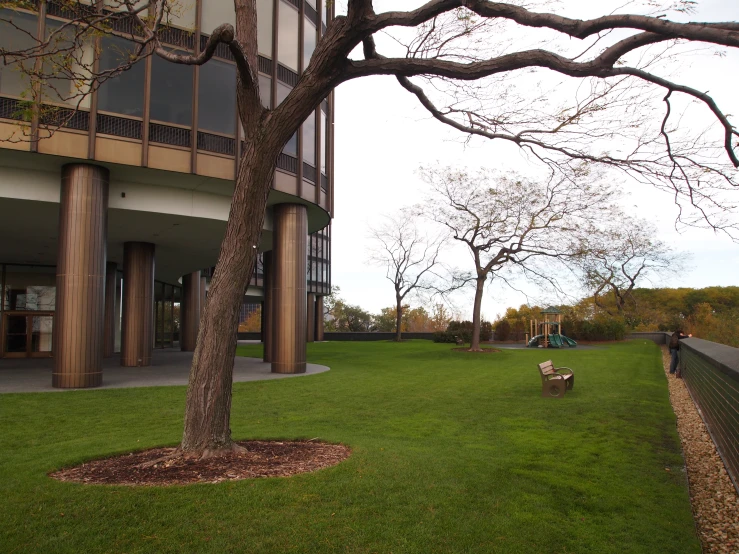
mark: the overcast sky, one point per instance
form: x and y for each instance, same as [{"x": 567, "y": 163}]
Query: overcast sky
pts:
[{"x": 383, "y": 136}]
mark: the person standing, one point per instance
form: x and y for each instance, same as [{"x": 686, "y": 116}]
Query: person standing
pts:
[{"x": 674, "y": 346}]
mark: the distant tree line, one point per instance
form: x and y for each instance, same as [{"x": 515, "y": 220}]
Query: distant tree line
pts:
[
  {"x": 710, "y": 313},
  {"x": 342, "y": 316}
]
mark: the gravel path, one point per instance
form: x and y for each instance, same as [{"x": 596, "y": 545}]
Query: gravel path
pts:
[{"x": 712, "y": 494}]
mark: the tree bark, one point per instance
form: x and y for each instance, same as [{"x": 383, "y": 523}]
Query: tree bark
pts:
[
  {"x": 208, "y": 407},
  {"x": 479, "y": 288},
  {"x": 398, "y": 318}
]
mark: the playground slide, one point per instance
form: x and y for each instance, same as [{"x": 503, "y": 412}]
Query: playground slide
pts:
[{"x": 555, "y": 341}]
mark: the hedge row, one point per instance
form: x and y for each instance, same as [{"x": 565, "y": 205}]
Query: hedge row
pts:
[{"x": 463, "y": 330}]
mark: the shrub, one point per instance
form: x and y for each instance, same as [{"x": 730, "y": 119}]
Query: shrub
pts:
[
  {"x": 463, "y": 329},
  {"x": 502, "y": 330},
  {"x": 443, "y": 336}
]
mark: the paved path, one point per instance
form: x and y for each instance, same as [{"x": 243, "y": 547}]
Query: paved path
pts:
[
  {"x": 521, "y": 345},
  {"x": 169, "y": 367}
]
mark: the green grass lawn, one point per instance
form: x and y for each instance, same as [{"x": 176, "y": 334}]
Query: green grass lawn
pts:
[{"x": 452, "y": 452}]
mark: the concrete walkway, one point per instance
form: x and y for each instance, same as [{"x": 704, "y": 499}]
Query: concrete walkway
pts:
[
  {"x": 521, "y": 345},
  {"x": 168, "y": 367}
]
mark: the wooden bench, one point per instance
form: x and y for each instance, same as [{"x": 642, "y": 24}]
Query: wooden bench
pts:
[{"x": 555, "y": 380}]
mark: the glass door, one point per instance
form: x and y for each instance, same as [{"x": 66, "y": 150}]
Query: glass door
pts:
[
  {"x": 27, "y": 335},
  {"x": 15, "y": 341},
  {"x": 40, "y": 329}
]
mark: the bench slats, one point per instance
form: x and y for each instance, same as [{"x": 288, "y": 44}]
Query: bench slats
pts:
[{"x": 547, "y": 371}]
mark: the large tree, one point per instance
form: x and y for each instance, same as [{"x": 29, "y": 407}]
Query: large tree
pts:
[
  {"x": 509, "y": 223},
  {"x": 462, "y": 43},
  {"x": 410, "y": 258}
]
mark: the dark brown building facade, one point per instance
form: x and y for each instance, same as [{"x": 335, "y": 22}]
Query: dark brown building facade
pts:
[{"x": 108, "y": 222}]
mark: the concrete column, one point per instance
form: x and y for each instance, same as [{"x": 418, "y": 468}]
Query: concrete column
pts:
[
  {"x": 289, "y": 288},
  {"x": 267, "y": 307},
  {"x": 190, "y": 311},
  {"x": 138, "y": 304},
  {"x": 80, "y": 277},
  {"x": 311, "y": 317},
  {"x": 110, "y": 291},
  {"x": 319, "y": 317}
]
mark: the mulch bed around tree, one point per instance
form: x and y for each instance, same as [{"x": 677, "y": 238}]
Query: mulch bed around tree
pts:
[
  {"x": 482, "y": 351},
  {"x": 262, "y": 459}
]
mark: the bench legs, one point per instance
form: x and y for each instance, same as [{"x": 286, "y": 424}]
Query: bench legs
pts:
[{"x": 554, "y": 388}]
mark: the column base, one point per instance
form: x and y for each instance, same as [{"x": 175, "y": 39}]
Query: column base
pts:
[
  {"x": 76, "y": 380},
  {"x": 291, "y": 368}
]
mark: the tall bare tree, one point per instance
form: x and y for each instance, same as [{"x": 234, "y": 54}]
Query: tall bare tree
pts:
[
  {"x": 463, "y": 42},
  {"x": 621, "y": 255},
  {"x": 512, "y": 223},
  {"x": 410, "y": 258}
]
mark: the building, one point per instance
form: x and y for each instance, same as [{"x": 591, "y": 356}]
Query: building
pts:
[{"x": 108, "y": 222}]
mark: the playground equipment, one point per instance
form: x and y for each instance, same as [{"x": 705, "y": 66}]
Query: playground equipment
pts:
[{"x": 548, "y": 332}]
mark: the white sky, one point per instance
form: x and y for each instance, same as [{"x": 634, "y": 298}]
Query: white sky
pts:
[{"x": 383, "y": 136}]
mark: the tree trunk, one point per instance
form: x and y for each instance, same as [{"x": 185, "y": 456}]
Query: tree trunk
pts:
[
  {"x": 208, "y": 407},
  {"x": 475, "y": 343},
  {"x": 398, "y": 318}
]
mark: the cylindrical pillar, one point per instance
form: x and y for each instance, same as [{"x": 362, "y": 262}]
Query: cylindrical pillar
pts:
[
  {"x": 267, "y": 306},
  {"x": 319, "y": 317},
  {"x": 138, "y": 304},
  {"x": 80, "y": 277},
  {"x": 311, "y": 317},
  {"x": 111, "y": 283},
  {"x": 190, "y": 311},
  {"x": 289, "y": 288}
]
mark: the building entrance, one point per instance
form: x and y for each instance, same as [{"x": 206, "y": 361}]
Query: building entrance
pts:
[
  {"x": 27, "y": 334},
  {"x": 167, "y": 299}
]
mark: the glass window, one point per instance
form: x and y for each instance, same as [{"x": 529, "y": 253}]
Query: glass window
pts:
[
  {"x": 309, "y": 140},
  {"x": 282, "y": 92},
  {"x": 29, "y": 288},
  {"x": 181, "y": 14},
  {"x": 176, "y": 320},
  {"x": 324, "y": 4},
  {"x": 324, "y": 138},
  {"x": 312, "y": 3},
  {"x": 120, "y": 5},
  {"x": 158, "y": 291},
  {"x": 287, "y": 36},
  {"x": 124, "y": 93},
  {"x": 309, "y": 41},
  {"x": 73, "y": 65},
  {"x": 41, "y": 333},
  {"x": 118, "y": 310},
  {"x": 215, "y": 13},
  {"x": 171, "y": 92},
  {"x": 159, "y": 323},
  {"x": 292, "y": 146},
  {"x": 13, "y": 82},
  {"x": 265, "y": 91},
  {"x": 264, "y": 26},
  {"x": 217, "y": 97},
  {"x": 314, "y": 246}
]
